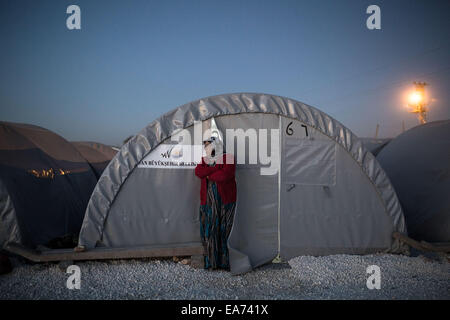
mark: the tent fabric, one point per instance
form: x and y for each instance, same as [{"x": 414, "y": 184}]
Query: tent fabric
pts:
[
  {"x": 132, "y": 206},
  {"x": 375, "y": 145},
  {"x": 45, "y": 185},
  {"x": 418, "y": 165},
  {"x": 98, "y": 155},
  {"x": 9, "y": 228}
]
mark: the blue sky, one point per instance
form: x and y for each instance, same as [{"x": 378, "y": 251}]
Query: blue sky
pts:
[{"x": 135, "y": 60}]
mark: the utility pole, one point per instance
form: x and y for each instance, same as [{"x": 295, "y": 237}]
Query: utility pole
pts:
[{"x": 418, "y": 103}]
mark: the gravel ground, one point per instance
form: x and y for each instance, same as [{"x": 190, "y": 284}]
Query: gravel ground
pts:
[{"x": 330, "y": 277}]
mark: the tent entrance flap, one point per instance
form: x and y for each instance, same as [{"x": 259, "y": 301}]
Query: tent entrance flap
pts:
[
  {"x": 325, "y": 210},
  {"x": 309, "y": 162},
  {"x": 253, "y": 240},
  {"x": 308, "y": 170}
]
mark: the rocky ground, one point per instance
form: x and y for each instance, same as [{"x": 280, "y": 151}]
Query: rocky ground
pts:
[{"x": 306, "y": 277}]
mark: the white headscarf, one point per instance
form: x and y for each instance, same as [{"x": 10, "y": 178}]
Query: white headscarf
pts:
[{"x": 217, "y": 148}]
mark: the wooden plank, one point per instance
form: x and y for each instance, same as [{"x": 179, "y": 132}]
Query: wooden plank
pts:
[
  {"x": 106, "y": 253},
  {"x": 422, "y": 246}
]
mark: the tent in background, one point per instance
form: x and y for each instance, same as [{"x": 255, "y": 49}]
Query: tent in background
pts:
[
  {"x": 98, "y": 155},
  {"x": 375, "y": 145},
  {"x": 418, "y": 165},
  {"x": 45, "y": 185},
  {"x": 328, "y": 195}
]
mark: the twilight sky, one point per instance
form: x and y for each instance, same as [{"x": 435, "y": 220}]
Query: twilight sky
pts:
[{"x": 132, "y": 61}]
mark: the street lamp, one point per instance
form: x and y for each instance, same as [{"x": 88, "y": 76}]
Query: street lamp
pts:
[{"x": 418, "y": 102}]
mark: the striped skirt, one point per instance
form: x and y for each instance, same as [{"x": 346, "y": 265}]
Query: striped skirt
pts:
[{"x": 216, "y": 220}]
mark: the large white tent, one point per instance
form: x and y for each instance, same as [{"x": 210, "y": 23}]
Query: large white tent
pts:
[{"x": 328, "y": 195}]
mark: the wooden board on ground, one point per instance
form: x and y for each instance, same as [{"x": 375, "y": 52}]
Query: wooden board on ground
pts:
[{"x": 188, "y": 249}]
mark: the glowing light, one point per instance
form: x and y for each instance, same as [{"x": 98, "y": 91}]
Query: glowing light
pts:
[
  {"x": 415, "y": 98},
  {"x": 48, "y": 174}
]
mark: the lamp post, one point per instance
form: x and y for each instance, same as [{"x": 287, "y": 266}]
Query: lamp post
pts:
[{"x": 418, "y": 102}]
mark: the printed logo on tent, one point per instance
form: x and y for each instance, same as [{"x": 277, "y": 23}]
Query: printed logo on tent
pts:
[{"x": 171, "y": 156}]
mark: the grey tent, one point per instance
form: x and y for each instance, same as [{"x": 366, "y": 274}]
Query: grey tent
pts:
[
  {"x": 375, "y": 145},
  {"x": 45, "y": 185},
  {"x": 418, "y": 164},
  {"x": 328, "y": 196},
  {"x": 98, "y": 155}
]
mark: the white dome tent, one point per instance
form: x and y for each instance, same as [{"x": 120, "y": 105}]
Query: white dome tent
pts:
[
  {"x": 418, "y": 164},
  {"x": 329, "y": 195},
  {"x": 45, "y": 185},
  {"x": 96, "y": 154},
  {"x": 375, "y": 145}
]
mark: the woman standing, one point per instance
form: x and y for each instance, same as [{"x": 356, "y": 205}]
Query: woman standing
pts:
[{"x": 217, "y": 203}]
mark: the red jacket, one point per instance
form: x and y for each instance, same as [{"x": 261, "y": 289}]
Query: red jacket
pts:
[{"x": 222, "y": 174}]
